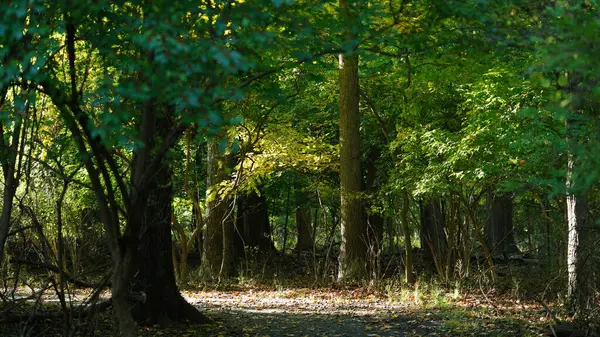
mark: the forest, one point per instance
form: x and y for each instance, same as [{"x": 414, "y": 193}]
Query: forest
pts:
[{"x": 300, "y": 168}]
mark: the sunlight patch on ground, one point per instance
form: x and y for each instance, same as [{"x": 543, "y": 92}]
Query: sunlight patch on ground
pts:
[{"x": 304, "y": 301}]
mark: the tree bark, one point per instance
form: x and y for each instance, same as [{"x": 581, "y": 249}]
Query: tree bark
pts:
[
  {"x": 353, "y": 248},
  {"x": 155, "y": 273},
  {"x": 580, "y": 267},
  {"x": 10, "y": 169},
  {"x": 500, "y": 237},
  {"x": 10, "y": 189},
  {"x": 216, "y": 211},
  {"x": 408, "y": 264},
  {"x": 581, "y": 257},
  {"x": 374, "y": 219},
  {"x": 285, "y": 225},
  {"x": 228, "y": 259},
  {"x": 303, "y": 223},
  {"x": 253, "y": 222},
  {"x": 433, "y": 237}
]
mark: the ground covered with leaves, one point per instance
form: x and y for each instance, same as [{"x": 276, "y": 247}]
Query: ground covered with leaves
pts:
[{"x": 360, "y": 311}]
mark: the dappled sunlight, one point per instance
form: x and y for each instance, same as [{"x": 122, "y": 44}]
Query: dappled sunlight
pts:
[{"x": 296, "y": 300}]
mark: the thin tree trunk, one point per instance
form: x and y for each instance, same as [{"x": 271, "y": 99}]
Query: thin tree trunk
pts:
[
  {"x": 374, "y": 220},
  {"x": 410, "y": 279},
  {"x": 580, "y": 290},
  {"x": 10, "y": 189},
  {"x": 216, "y": 210},
  {"x": 10, "y": 169},
  {"x": 285, "y": 225},
  {"x": 228, "y": 256}
]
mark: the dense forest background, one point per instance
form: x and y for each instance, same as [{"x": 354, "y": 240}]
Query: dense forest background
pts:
[{"x": 150, "y": 146}]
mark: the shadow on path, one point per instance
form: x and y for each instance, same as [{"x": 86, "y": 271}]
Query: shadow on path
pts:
[{"x": 248, "y": 322}]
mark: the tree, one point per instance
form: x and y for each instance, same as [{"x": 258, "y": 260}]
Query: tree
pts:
[
  {"x": 303, "y": 223},
  {"x": 353, "y": 250},
  {"x": 253, "y": 222},
  {"x": 580, "y": 243},
  {"x": 433, "y": 237},
  {"x": 570, "y": 63},
  {"x": 155, "y": 276},
  {"x": 374, "y": 218},
  {"x": 18, "y": 105},
  {"x": 500, "y": 238},
  {"x": 111, "y": 102},
  {"x": 218, "y": 213},
  {"x": 12, "y": 145}
]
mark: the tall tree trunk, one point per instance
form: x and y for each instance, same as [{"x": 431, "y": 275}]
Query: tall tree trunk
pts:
[
  {"x": 581, "y": 259},
  {"x": 433, "y": 237},
  {"x": 155, "y": 274},
  {"x": 216, "y": 211},
  {"x": 10, "y": 169},
  {"x": 353, "y": 249},
  {"x": 499, "y": 231},
  {"x": 580, "y": 266}
]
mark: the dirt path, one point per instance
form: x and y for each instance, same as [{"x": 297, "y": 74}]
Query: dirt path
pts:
[
  {"x": 340, "y": 313},
  {"x": 326, "y": 312}
]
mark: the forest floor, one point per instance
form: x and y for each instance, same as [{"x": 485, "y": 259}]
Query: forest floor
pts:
[
  {"x": 277, "y": 311},
  {"x": 357, "y": 312}
]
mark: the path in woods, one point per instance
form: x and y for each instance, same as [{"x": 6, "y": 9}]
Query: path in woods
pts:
[
  {"x": 328, "y": 312},
  {"x": 307, "y": 312}
]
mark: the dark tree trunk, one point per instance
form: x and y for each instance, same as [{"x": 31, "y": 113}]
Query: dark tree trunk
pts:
[
  {"x": 374, "y": 219},
  {"x": 10, "y": 169},
  {"x": 197, "y": 246},
  {"x": 239, "y": 244},
  {"x": 433, "y": 237},
  {"x": 155, "y": 274},
  {"x": 499, "y": 231},
  {"x": 303, "y": 223},
  {"x": 10, "y": 189},
  {"x": 408, "y": 263},
  {"x": 253, "y": 222},
  {"x": 353, "y": 249},
  {"x": 285, "y": 225}
]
